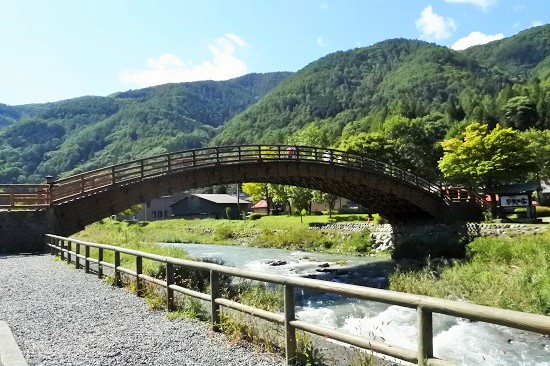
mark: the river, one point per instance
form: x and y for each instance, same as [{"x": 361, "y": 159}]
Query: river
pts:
[{"x": 455, "y": 339}]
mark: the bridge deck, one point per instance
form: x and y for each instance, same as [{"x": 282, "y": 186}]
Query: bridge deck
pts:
[{"x": 60, "y": 316}]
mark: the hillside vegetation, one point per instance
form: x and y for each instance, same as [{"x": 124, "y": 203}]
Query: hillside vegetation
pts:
[
  {"x": 395, "y": 100},
  {"x": 85, "y": 133},
  {"x": 358, "y": 90}
]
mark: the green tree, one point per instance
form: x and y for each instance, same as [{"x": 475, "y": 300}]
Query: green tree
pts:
[
  {"x": 486, "y": 159},
  {"x": 299, "y": 197},
  {"x": 312, "y": 135},
  {"x": 325, "y": 198},
  {"x": 258, "y": 191},
  {"x": 520, "y": 113},
  {"x": 539, "y": 143}
]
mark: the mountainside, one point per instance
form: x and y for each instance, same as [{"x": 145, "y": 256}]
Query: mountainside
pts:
[
  {"x": 347, "y": 92},
  {"x": 527, "y": 54},
  {"x": 89, "y": 132}
]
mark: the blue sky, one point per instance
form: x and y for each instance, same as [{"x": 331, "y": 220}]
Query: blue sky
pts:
[{"x": 59, "y": 49}]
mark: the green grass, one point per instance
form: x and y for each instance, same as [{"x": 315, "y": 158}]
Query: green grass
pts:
[
  {"x": 269, "y": 231},
  {"x": 507, "y": 273},
  {"x": 542, "y": 211}
]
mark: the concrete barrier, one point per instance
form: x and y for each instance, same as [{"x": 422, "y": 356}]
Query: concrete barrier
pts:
[{"x": 10, "y": 355}]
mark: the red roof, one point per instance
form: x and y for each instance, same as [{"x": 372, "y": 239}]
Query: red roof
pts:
[{"x": 260, "y": 204}]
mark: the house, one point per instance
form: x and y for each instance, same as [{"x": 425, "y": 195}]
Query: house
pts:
[
  {"x": 209, "y": 205},
  {"x": 156, "y": 209},
  {"x": 260, "y": 207}
]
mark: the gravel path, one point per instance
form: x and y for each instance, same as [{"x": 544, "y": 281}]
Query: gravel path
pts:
[{"x": 62, "y": 316}]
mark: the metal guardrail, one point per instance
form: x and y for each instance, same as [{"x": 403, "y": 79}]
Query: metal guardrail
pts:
[{"x": 425, "y": 306}]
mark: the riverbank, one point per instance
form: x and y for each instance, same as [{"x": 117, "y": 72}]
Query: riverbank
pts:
[
  {"x": 510, "y": 273},
  {"x": 498, "y": 271},
  {"x": 288, "y": 232}
]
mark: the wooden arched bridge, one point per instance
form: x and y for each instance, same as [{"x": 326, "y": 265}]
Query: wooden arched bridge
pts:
[{"x": 397, "y": 195}]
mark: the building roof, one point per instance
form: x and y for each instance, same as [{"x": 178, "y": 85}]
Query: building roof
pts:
[
  {"x": 516, "y": 188},
  {"x": 260, "y": 204},
  {"x": 220, "y": 198}
]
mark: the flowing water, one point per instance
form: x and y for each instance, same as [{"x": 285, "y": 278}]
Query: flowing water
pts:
[{"x": 455, "y": 339}]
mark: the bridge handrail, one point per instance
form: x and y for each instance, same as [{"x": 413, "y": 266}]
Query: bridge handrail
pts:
[
  {"x": 153, "y": 166},
  {"x": 424, "y": 305},
  {"x": 24, "y": 196}
]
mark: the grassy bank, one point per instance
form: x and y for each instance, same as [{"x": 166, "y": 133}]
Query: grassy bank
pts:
[
  {"x": 274, "y": 231},
  {"x": 507, "y": 273}
]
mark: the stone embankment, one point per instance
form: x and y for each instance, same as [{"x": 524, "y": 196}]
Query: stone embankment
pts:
[
  {"x": 61, "y": 316},
  {"x": 384, "y": 236}
]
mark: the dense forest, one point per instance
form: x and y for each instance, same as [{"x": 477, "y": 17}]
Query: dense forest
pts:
[
  {"x": 396, "y": 100},
  {"x": 84, "y": 133}
]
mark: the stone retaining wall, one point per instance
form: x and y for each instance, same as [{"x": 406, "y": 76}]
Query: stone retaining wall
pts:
[
  {"x": 384, "y": 236},
  {"x": 24, "y": 231}
]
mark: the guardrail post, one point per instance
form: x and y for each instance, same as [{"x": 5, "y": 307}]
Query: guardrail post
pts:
[
  {"x": 50, "y": 181},
  {"x": 169, "y": 291},
  {"x": 99, "y": 260},
  {"x": 194, "y": 158},
  {"x": 139, "y": 270},
  {"x": 86, "y": 261},
  {"x": 69, "y": 249},
  {"x": 82, "y": 184},
  {"x": 141, "y": 169},
  {"x": 76, "y": 259},
  {"x": 169, "y": 162},
  {"x": 61, "y": 252},
  {"x": 113, "y": 175},
  {"x": 214, "y": 294},
  {"x": 425, "y": 335},
  {"x": 53, "y": 244},
  {"x": 118, "y": 281},
  {"x": 290, "y": 332},
  {"x": 217, "y": 155},
  {"x": 259, "y": 152},
  {"x": 239, "y": 150}
]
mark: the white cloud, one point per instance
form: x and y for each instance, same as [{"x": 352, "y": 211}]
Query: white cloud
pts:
[
  {"x": 324, "y": 6},
  {"x": 434, "y": 26},
  {"x": 321, "y": 42},
  {"x": 516, "y": 25},
  {"x": 169, "y": 68},
  {"x": 537, "y": 23},
  {"x": 485, "y": 4},
  {"x": 475, "y": 38}
]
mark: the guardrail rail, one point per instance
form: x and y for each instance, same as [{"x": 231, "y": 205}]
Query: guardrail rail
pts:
[{"x": 71, "y": 250}]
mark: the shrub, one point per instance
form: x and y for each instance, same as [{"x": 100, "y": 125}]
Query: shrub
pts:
[{"x": 255, "y": 216}]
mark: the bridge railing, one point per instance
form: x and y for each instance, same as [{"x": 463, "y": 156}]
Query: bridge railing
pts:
[
  {"x": 71, "y": 250},
  {"x": 14, "y": 197},
  {"x": 150, "y": 167},
  {"x": 453, "y": 195}
]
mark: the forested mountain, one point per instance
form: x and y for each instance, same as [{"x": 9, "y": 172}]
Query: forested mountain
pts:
[
  {"x": 357, "y": 90},
  {"x": 89, "y": 132},
  {"x": 395, "y": 100},
  {"x": 526, "y": 54}
]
